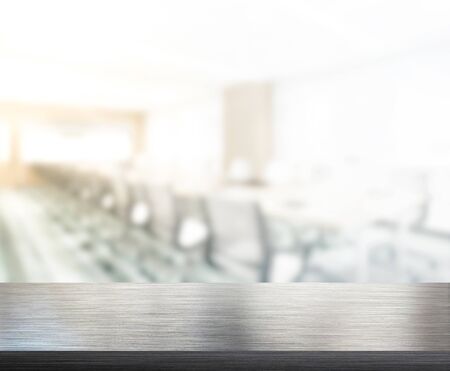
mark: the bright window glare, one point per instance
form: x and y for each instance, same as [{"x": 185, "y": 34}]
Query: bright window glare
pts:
[{"x": 76, "y": 142}]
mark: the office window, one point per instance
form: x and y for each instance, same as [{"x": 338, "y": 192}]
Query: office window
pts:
[
  {"x": 380, "y": 130},
  {"x": 76, "y": 142}
]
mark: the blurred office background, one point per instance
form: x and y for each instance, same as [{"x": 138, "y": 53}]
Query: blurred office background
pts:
[{"x": 225, "y": 141}]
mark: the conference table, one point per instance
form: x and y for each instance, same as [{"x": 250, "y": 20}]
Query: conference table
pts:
[{"x": 346, "y": 213}]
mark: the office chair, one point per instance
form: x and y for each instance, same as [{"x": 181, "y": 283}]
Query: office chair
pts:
[
  {"x": 192, "y": 229},
  {"x": 111, "y": 231},
  {"x": 238, "y": 246},
  {"x": 162, "y": 259}
]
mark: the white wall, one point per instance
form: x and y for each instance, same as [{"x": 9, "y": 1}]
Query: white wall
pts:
[
  {"x": 184, "y": 144},
  {"x": 392, "y": 113}
]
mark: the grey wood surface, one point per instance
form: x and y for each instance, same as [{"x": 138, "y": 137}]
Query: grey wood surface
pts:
[{"x": 225, "y": 317}]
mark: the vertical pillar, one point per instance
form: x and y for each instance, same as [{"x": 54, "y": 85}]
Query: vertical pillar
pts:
[
  {"x": 16, "y": 172},
  {"x": 139, "y": 136},
  {"x": 248, "y": 128}
]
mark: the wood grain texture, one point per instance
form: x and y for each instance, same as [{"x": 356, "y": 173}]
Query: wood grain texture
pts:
[{"x": 224, "y": 317}]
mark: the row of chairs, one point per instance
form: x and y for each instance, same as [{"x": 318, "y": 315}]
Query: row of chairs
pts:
[{"x": 137, "y": 231}]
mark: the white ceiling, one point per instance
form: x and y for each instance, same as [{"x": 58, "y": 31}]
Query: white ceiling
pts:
[{"x": 179, "y": 44}]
